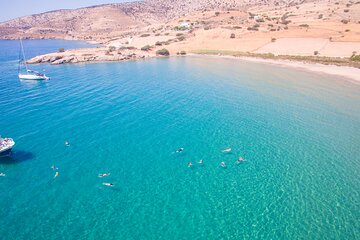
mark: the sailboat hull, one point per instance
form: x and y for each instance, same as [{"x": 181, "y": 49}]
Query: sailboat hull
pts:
[{"x": 32, "y": 77}]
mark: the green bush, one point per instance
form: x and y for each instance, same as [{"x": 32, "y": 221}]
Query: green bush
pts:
[
  {"x": 61, "y": 50},
  {"x": 355, "y": 58},
  {"x": 163, "y": 52},
  {"x": 146, "y": 48},
  {"x": 252, "y": 29},
  {"x": 180, "y": 28},
  {"x": 181, "y": 38}
]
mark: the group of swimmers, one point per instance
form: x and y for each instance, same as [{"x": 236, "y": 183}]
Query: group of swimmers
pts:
[{"x": 222, "y": 164}]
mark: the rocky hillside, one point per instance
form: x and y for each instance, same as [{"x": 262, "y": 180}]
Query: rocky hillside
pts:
[{"x": 108, "y": 21}]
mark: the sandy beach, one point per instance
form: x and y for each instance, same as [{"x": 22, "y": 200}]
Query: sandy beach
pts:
[{"x": 350, "y": 73}]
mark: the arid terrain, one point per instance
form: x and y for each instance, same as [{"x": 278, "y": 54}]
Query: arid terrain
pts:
[{"x": 287, "y": 28}]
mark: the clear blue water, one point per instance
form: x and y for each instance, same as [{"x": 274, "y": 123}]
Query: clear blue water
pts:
[{"x": 298, "y": 131}]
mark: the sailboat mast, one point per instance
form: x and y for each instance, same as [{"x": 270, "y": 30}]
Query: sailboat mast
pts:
[{"x": 23, "y": 53}]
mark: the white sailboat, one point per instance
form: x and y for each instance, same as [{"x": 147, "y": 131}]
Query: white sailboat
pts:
[{"x": 29, "y": 74}]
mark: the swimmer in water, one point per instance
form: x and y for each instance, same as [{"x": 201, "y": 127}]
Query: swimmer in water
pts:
[
  {"x": 54, "y": 168},
  {"x": 108, "y": 184},
  {"x": 228, "y": 150},
  {"x": 2, "y": 174},
  {"x": 101, "y": 175},
  {"x": 200, "y": 161},
  {"x": 239, "y": 160},
  {"x": 56, "y": 174},
  {"x": 179, "y": 150},
  {"x": 222, "y": 164},
  {"x": 67, "y": 143},
  {"x": 190, "y": 164}
]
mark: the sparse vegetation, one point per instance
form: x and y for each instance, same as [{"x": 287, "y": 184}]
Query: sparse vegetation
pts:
[
  {"x": 232, "y": 35},
  {"x": 347, "y": 30},
  {"x": 253, "y": 28},
  {"x": 181, "y": 38},
  {"x": 146, "y": 48},
  {"x": 181, "y": 28},
  {"x": 145, "y": 35},
  {"x": 179, "y": 34},
  {"x": 181, "y": 53},
  {"x": 163, "y": 52},
  {"x": 158, "y": 43},
  {"x": 61, "y": 50},
  {"x": 346, "y": 10},
  {"x": 304, "y": 25},
  {"x": 217, "y": 13},
  {"x": 316, "y": 53},
  {"x": 112, "y": 48},
  {"x": 344, "y": 21},
  {"x": 320, "y": 16},
  {"x": 251, "y": 15},
  {"x": 311, "y": 59},
  {"x": 273, "y": 39},
  {"x": 355, "y": 58}
]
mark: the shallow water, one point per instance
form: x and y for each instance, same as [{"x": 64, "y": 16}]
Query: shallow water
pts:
[{"x": 298, "y": 131}]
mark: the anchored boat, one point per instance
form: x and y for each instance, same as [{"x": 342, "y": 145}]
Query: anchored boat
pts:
[
  {"x": 6, "y": 145},
  {"x": 29, "y": 74}
]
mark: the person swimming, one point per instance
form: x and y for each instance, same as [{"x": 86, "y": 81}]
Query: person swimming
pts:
[
  {"x": 179, "y": 150},
  {"x": 67, "y": 143},
  {"x": 56, "y": 175},
  {"x": 108, "y": 184},
  {"x": 200, "y": 161},
  {"x": 227, "y": 150},
  {"x": 54, "y": 168},
  {"x": 190, "y": 164},
  {"x": 101, "y": 175},
  {"x": 239, "y": 160},
  {"x": 222, "y": 164},
  {"x": 2, "y": 174}
]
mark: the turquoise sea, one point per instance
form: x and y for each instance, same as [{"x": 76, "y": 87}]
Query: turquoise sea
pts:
[{"x": 298, "y": 131}]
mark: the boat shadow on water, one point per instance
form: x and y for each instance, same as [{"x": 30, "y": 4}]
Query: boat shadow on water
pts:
[{"x": 16, "y": 157}]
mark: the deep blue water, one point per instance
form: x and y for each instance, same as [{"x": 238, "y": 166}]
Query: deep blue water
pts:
[{"x": 298, "y": 131}]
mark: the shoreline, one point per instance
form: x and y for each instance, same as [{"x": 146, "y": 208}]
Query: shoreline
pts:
[
  {"x": 352, "y": 73},
  {"x": 98, "y": 56}
]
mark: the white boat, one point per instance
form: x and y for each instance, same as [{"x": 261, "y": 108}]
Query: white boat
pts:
[
  {"x": 29, "y": 74},
  {"x": 6, "y": 145}
]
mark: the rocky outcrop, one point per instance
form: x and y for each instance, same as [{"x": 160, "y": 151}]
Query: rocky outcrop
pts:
[{"x": 90, "y": 55}]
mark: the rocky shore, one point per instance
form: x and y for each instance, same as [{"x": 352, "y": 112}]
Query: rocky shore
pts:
[{"x": 101, "y": 54}]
